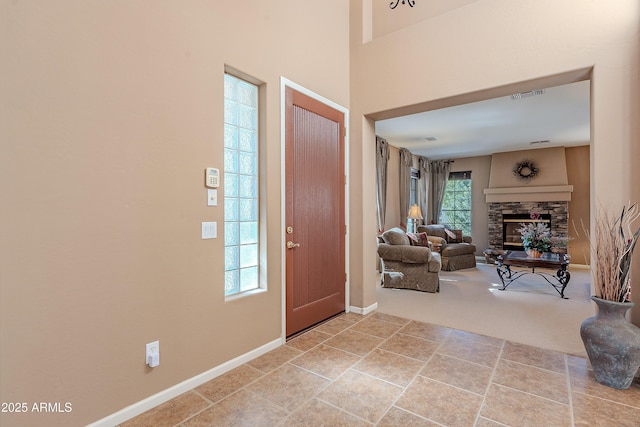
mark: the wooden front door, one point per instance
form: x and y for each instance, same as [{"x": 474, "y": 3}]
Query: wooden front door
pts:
[{"x": 315, "y": 215}]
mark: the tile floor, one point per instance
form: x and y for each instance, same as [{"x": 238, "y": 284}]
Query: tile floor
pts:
[{"x": 383, "y": 370}]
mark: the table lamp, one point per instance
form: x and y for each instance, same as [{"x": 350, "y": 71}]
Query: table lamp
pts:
[{"x": 415, "y": 214}]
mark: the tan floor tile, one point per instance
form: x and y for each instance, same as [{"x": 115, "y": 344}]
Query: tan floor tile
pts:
[
  {"x": 326, "y": 361},
  {"x": 288, "y": 386},
  {"x": 578, "y": 361},
  {"x": 530, "y": 379},
  {"x": 440, "y": 403},
  {"x": 483, "y": 422},
  {"x": 426, "y": 331},
  {"x": 361, "y": 395},
  {"x": 411, "y": 346},
  {"x": 515, "y": 408},
  {"x": 240, "y": 409},
  {"x": 171, "y": 412},
  {"x": 470, "y": 351},
  {"x": 308, "y": 340},
  {"x": 226, "y": 384},
  {"x": 459, "y": 373},
  {"x": 334, "y": 326},
  {"x": 397, "y": 417},
  {"x": 591, "y": 411},
  {"x": 534, "y": 356},
  {"x": 446, "y": 373},
  {"x": 316, "y": 413},
  {"x": 396, "y": 369},
  {"x": 379, "y": 328},
  {"x": 275, "y": 358},
  {"x": 583, "y": 381},
  {"x": 352, "y": 317},
  {"x": 390, "y": 318},
  {"x": 482, "y": 339},
  {"x": 354, "y": 342}
]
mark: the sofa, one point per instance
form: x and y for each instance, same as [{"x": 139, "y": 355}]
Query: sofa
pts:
[
  {"x": 406, "y": 266},
  {"x": 456, "y": 252}
]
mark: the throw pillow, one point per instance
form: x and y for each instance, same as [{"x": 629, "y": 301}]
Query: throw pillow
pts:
[
  {"x": 413, "y": 239},
  {"x": 453, "y": 236},
  {"x": 418, "y": 239}
]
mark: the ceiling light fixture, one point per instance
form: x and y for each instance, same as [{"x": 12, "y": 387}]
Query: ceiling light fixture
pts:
[
  {"x": 544, "y": 141},
  {"x": 431, "y": 138},
  {"x": 394, "y": 4},
  {"x": 531, "y": 93}
]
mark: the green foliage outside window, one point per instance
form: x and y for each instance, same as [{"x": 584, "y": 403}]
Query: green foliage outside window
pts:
[{"x": 456, "y": 205}]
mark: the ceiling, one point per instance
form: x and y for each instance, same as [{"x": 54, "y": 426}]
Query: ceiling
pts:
[{"x": 561, "y": 115}]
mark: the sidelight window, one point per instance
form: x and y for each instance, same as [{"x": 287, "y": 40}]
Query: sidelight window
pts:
[{"x": 241, "y": 186}]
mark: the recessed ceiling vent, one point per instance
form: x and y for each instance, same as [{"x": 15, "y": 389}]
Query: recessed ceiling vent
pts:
[
  {"x": 431, "y": 138},
  {"x": 545, "y": 141},
  {"x": 529, "y": 94}
]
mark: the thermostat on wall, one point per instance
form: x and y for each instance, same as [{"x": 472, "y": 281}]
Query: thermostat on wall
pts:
[{"x": 212, "y": 176}]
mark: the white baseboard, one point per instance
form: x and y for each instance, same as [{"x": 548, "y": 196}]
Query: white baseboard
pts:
[
  {"x": 364, "y": 311},
  {"x": 176, "y": 390}
]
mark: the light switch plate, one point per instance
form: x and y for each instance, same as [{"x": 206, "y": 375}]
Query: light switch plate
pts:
[
  {"x": 212, "y": 197},
  {"x": 209, "y": 230}
]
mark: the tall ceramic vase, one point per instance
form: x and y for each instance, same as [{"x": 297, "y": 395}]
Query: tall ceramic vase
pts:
[{"x": 612, "y": 344}]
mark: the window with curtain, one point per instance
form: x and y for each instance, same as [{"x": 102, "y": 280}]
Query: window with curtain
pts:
[
  {"x": 413, "y": 195},
  {"x": 456, "y": 205}
]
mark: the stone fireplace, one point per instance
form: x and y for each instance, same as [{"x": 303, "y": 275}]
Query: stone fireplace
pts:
[
  {"x": 510, "y": 196},
  {"x": 556, "y": 212}
]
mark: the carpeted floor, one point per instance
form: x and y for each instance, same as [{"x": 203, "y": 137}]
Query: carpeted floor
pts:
[{"x": 530, "y": 311}]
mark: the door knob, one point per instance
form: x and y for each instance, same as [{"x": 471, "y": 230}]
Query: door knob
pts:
[{"x": 291, "y": 245}]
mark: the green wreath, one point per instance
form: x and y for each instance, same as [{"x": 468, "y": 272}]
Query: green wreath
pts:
[{"x": 526, "y": 170}]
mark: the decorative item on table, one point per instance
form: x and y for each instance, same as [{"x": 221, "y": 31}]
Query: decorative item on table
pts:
[
  {"x": 415, "y": 213},
  {"x": 611, "y": 341},
  {"x": 536, "y": 237}
]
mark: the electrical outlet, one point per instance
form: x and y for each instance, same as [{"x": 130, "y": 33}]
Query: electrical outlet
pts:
[{"x": 152, "y": 356}]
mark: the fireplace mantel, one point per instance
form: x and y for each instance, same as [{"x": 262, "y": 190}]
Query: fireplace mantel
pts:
[{"x": 547, "y": 193}]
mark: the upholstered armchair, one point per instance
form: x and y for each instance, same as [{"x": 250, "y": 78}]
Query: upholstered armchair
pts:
[
  {"x": 456, "y": 252},
  {"x": 405, "y": 266}
]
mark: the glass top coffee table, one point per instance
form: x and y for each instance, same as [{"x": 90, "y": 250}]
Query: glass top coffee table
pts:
[{"x": 559, "y": 262}]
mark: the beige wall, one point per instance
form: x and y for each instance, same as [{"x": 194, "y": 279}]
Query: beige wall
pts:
[
  {"x": 551, "y": 163},
  {"x": 493, "y": 47},
  {"x": 580, "y": 205},
  {"x": 111, "y": 112}
]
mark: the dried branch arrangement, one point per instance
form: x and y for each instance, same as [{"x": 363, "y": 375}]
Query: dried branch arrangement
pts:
[{"x": 613, "y": 247}]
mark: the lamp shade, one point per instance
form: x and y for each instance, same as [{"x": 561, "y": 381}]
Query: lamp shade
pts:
[{"x": 415, "y": 212}]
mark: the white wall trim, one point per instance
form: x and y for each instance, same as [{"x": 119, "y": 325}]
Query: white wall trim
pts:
[
  {"x": 176, "y": 390},
  {"x": 366, "y": 310},
  {"x": 284, "y": 83}
]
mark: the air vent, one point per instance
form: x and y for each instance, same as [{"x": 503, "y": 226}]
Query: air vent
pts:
[
  {"x": 529, "y": 94},
  {"x": 545, "y": 141},
  {"x": 431, "y": 138}
]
